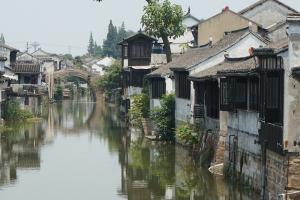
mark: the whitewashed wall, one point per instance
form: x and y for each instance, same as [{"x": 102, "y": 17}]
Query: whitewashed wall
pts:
[{"x": 292, "y": 90}]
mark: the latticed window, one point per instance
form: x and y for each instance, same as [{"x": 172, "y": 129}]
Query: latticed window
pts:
[
  {"x": 239, "y": 93},
  {"x": 140, "y": 50},
  {"x": 183, "y": 85},
  {"x": 158, "y": 87}
]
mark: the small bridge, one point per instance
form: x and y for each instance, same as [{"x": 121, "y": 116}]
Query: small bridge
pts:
[
  {"x": 69, "y": 72},
  {"x": 82, "y": 74}
]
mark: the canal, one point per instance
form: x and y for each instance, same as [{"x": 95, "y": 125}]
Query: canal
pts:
[{"x": 80, "y": 151}]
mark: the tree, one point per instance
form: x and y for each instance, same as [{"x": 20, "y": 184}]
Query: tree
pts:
[
  {"x": 122, "y": 33},
  {"x": 2, "y": 39},
  {"x": 168, "y": 17},
  {"x": 91, "y": 47},
  {"x": 68, "y": 56},
  {"x": 163, "y": 20},
  {"x": 109, "y": 45},
  {"x": 98, "y": 50}
]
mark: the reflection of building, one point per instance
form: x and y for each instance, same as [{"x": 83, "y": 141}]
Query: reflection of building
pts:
[{"x": 21, "y": 151}]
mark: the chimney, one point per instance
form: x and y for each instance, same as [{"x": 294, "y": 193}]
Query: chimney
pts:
[
  {"x": 293, "y": 32},
  {"x": 226, "y": 8}
]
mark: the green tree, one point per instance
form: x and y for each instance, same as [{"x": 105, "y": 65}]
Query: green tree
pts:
[
  {"x": 91, "y": 46},
  {"x": 122, "y": 33},
  {"x": 163, "y": 20},
  {"x": 109, "y": 45},
  {"x": 110, "y": 80},
  {"x": 98, "y": 50},
  {"x": 2, "y": 39},
  {"x": 68, "y": 56}
]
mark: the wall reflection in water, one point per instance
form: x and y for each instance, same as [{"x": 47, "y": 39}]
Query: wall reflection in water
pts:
[
  {"x": 148, "y": 170},
  {"x": 20, "y": 150}
]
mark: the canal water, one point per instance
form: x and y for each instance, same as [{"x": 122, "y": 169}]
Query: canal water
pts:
[{"x": 79, "y": 151}]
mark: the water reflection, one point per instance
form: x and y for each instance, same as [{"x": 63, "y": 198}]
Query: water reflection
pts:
[
  {"x": 20, "y": 150},
  {"x": 81, "y": 149}
]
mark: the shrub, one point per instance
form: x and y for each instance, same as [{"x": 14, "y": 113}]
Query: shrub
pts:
[
  {"x": 164, "y": 117},
  {"x": 139, "y": 109},
  {"x": 12, "y": 112},
  {"x": 187, "y": 134},
  {"x": 58, "y": 93}
]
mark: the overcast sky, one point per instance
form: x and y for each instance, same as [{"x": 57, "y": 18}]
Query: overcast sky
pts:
[{"x": 63, "y": 26}]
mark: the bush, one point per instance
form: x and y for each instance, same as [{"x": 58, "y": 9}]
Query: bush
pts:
[
  {"x": 187, "y": 134},
  {"x": 140, "y": 109},
  {"x": 12, "y": 112},
  {"x": 164, "y": 117}
]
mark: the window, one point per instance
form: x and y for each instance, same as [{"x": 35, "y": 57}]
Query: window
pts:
[
  {"x": 212, "y": 99},
  {"x": 207, "y": 98},
  {"x": 137, "y": 77},
  {"x": 183, "y": 85},
  {"x": 140, "y": 50},
  {"x": 272, "y": 96},
  {"x": 158, "y": 87},
  {"x": 199, "y": 100},
  {"x": 199, "y": 92},
  {"x": 226, "y": 94},
  {"x": 239, "y": 93}
]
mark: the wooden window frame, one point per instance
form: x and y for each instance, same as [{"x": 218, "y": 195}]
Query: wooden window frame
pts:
[
  {"x": 183, "y": 85},
  {"x": 158, "y": 87}
]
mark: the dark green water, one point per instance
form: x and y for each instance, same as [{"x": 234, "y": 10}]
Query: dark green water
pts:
[{"x": 80, "y": 152}]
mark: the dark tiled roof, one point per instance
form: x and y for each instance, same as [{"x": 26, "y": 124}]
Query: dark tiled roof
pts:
[
  {"x": 8, "y": 47},
  {"x": 139, "y": 34},
  {"x": 161, "y": 71},
  {"x": 262, "y": 2},
  {"x": 189, "y": 15},
  {"x": 198, "y": 55},
  {"x": 26, "y": 68},
  {"x": 238, "y": 65}
]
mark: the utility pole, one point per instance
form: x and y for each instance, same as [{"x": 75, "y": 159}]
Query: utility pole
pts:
[{"x": 27, "y": 47}]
